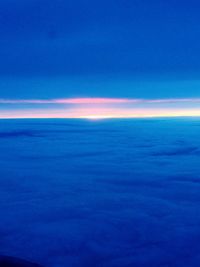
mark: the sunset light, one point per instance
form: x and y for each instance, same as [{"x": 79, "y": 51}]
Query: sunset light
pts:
[{"x": 99, "y": 108}]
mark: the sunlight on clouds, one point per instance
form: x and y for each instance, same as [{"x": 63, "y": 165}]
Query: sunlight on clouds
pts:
[
  {"x": 98, "y": 114},
  {"x": 99, "y": 108}
]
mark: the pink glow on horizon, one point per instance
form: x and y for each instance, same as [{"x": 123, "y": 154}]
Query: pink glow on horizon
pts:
[
  {"x": 96, "y": 108},
  {"x": 99, "y": 101},
  {"x": 68, "y": 101}
]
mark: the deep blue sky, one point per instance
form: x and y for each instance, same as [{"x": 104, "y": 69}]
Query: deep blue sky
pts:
[{"x": 136, "y": 48}]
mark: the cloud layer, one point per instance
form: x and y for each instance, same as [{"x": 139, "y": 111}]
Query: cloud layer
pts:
[
  {"x": 97, "y": 100},
  {"x": 109, "y": 194},
  {"x": 99, "y": 108}
]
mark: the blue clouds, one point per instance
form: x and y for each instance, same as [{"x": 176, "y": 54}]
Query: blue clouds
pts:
[
  {"x": 101, "y": 198},
  {"x": 11, "y": 262},
  {"x": 14, "y": 134}
]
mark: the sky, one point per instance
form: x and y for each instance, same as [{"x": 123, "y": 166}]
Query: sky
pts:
[{"x": 136, "y": 50}]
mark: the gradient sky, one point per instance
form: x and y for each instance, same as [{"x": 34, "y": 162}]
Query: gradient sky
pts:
[{"x": 135, "y": 49}]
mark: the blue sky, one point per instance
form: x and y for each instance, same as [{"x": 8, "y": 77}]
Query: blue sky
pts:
[
  {"x": 115, "y": 48},
  {"x": 99, "y": 37}
]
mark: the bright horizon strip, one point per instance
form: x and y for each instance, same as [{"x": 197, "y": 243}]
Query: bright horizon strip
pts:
[
  {"x": 96, "y": 108},
  {"x": 96, "y": 100},
  {"x": 98, "y": 113}
]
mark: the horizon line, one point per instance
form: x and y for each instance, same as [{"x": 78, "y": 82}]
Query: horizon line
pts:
[
  {"x": 100, "y": 108},
  {"x": 170, "y": 116}
]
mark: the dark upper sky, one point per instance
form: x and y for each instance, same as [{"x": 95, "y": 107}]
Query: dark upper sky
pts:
[{"x": 48, "y": 44}]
